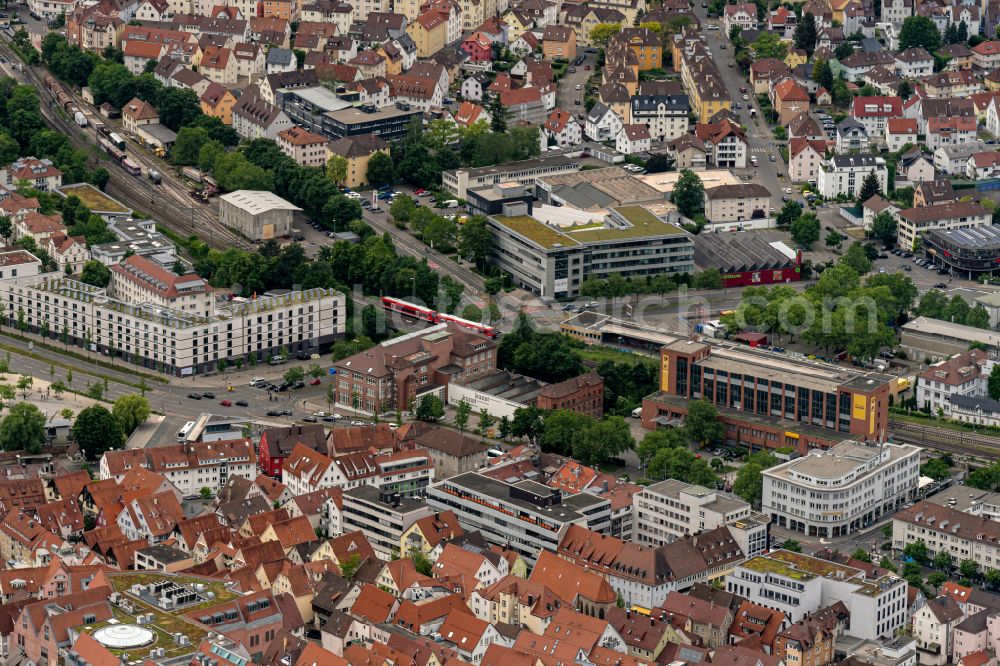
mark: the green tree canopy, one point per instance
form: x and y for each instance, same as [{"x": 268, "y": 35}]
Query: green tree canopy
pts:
[
  {"x": 689, "y": 194},
  {"x": 131, "y": 411},
  {"x": 23, "y": 428},
  {"x": 919, "y": 31},
  {"x": 96, "y": 430}
]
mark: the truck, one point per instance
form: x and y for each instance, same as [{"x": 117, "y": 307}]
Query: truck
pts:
[
  {"x": 450, "y": 203},
  {"x": 155, "y": 176},
  {"x": 753, "y": 160},
  {"x": 80, "y": 119}
]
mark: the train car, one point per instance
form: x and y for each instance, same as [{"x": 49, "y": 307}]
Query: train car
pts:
[
  {"x": 64, "y": 100},
  {"x": 117, "y": 139},
  {"x": 49, "y": 80},
  {"x": 471, "y": 325},
  {"x": 192, "y": 174},
  {"x": 131, "y": 167},
  {"x": 409, "y": 309},
  {"x": 111, "y": 149}
]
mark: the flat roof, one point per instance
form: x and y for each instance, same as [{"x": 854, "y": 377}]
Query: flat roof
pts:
[
  {"x": 354, "y": 116},
  {"x": 974, "y": 238},
  {"x": 798, "y": 566},
  {"x": 665, "y": 181},
  {"x": 318, "y": 96},
  {"x": 840, "y": 461},
  {"x": 535, "y": 231},
  {"x": 641, "y": 224},
  {"x": 523, "y": 165},
  {"x": 93, "y": 198},
  {"x": 571, "y": 507},
  {"x": 938, "y": 327}
]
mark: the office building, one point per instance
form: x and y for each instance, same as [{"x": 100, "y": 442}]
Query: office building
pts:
[
  {"x": 842, "y": 490},
  {"x": 382, "y": 517},
  {"x": 459, "y": 181},
  {"x": 769, "y": 399},
  {"x": 799, "y": 585},
  {"x": 554, "y": 261},
  {"x": 171, "y": 341},
  {"x": 321, "y": 111},
  {"x": 257, "y": 215},
  {"x": 490, "y": 200},
  {"x": 526, "y": 517}
]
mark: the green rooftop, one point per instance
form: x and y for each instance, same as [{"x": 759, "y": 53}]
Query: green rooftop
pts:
[
  {"x": 643, "y": 222},
  {"x": 798, "y": 566},
  {"x": 536, "y": 231},
  {"x": 93, "y": 198}
]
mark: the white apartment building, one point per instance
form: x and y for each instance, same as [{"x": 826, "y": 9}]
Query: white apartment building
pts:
[
  {"x": 842, "y": 490},
  {"x": 911, "y": 222},
  {"x": 407, "y": 473},
  {"x": 844, "y": 174},
  {"x": 961, "y": 374},
  {"x": 672, "y": 509},
  {"x": 138, "y": 280},
  {"x": 798, "y": 585},
  {"x": 171, "y": 341},
  {"x": 190, "y": 467},
  {"x": 382, "y": 517}
]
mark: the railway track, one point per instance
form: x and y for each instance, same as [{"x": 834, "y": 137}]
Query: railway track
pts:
[
  {"x": 944, "y": 439},
  {"x": 168, "y": 203}
]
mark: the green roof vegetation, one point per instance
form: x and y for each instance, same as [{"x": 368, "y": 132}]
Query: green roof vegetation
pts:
[
  {"x": 536, "y": 231},
  {"x": 643, "y": 222},
  {"x": 766, "y": 565},
  {"x": 93, "y": 198}
]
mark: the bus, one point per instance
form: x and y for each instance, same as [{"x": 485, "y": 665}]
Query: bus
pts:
[{"x": 183, "y": 432}]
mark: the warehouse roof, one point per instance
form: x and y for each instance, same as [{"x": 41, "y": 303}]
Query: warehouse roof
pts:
[{"x": 736, "y": 253}]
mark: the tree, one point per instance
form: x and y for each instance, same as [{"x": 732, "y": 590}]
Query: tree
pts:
[
  {"x": 993, "y": 383},
  {"x": 978, "y": 317},
  {"x": 791, "y": 545},
  {"x": 350, "y": 566},
  {"x": 603, "y": 440},
  {"x": 380, "y": 170},
  {"x": 602, "y": 32},
  {"x": 887, "y": 530},
  {"x": 561, "y": 429},
  {"x": 96, "y": 430},
  {"x": 527, "y": 422},
  {"x": 919, "y": 32},
  {"x": 499, "y": 115},
  {"x": 689, "y": 194},
  {"x": 430, "y": 408},
  {"x": 870, "y": 186},
  {"x": 209, "y": 154},
  {"x": 855, "y": 258},
  {"x": 680, "y": 463},
  {"x": 936, "y": 468},
  {"x": 6, "y": 226},
  {"x": 805, "y": 230},
  {"x": 936, "y": 579},
  {"x": 702, "y": 423},
  {"x": 475, "y": 242},
  {"x": 188, "y": 145},
  {"x": 485, "y": 422},
  {"x": 933, "y": 304},
  {"x": 805, "y": 34},
  {"x": 661, "y": 438},
  {"x": 206, "y": 493},
  {"x": 884, "y": 227},
  {"x": 822, "y": 74},
  {"x": 131, "y": 411},
  {"x": 710, "y": 278},
  {"x": 749, "y": 483},
  {"x": 24, "y": 384},
  {"x": 917, "y": 551},
  {"x": 968, "y": 568},
  {"x": 23, "y": 429},
  {"x": 944, "y": 561},
  {"x": 462, "y": 411},
  {"x": 790, "y": 211},
  {"x": 178, "y": 107},
  {"x": 112, "y": 82},
  {"x": 834, "y": 239},
  {"x": 503, "y": 427},
  {"x": 770, "y": 45},
  {"x": 294, "y": 374},
  {"x": 95, "y": 273},
  {"x": 336, "y": 169}
]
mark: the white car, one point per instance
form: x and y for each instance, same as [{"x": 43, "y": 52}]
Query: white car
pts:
[
  {"x": 788, "y": 190},
  {"x": 357, "y": 423},
  {"x": 746, "y": 97},
  {"x": 336, "y": 417},
  {"x": 319, "y": 414}
]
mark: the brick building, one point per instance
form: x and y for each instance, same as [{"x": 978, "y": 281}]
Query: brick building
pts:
[
  {"x": 583, "y": 394},
  {"x": 277, "y": 443},
  {"x": 394, "y": 373},
  {"x": 769, "y": 400}
]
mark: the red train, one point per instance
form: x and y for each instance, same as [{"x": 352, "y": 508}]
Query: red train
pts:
[{"x": 426, "y": 314}]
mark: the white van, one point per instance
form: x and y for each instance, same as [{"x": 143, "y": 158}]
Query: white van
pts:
[
  {"x": 494, "y": 453},
  {"x": 637, "y": 413},
  {"x": 183, "y": 432}
]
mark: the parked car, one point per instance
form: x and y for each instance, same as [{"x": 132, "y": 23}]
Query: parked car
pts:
[
  {"x": 210, "y": 396},
  {"x": 226, "y": 403},
  {"x": 241, "y": 403},
  {"x": 315, "y": 381},
  {"x": 940, "y": 285},
  {"x": 194, "y": 396}
]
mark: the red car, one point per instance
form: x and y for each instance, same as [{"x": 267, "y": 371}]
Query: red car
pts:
[
  {"x": 226, "y": 403},
  {"x": 419, "y": 191},
  {"x": 315, "y": 382}
]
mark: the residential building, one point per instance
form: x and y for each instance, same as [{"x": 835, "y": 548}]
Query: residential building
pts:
[
  {"x": 742, "y": 16},
  {"x": 874, "y": 112},
  {"x": 40, "y": 174},
  {"x": 382, "y": 517},
  {"x": 913, "y": 222},
  {"x": 138, "y": 280},
  {"x": 358, "y": 151},
  {"x": 842, "y": 490},
  {"x": 255, "y": 118},
  {"x": 845, "y": 174},
  {"x": 799, "y": 585},
  {"x": 899, "y": 132},
  {"x": 953, "y": 159},
  {"x": 851, "y": 136},
  {"x": 950, "y": 130},
  {"x": 934, "y": 629},
  {"x": 735, "y": 203},
  {"x": 666, "y": 116},
  {"x": 805, "y": 156},
  {"x": 190, "y": 467},
  {"x": 725, "y": 144},
  {"x": 305, "y": 147},
  {"x": 670, "y": 510}
]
